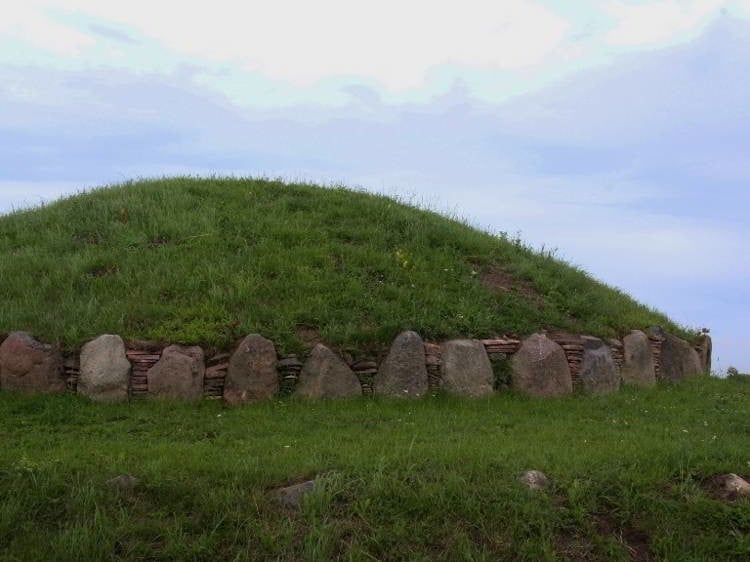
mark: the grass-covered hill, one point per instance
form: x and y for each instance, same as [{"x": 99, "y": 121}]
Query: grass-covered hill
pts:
[{"x": 207, "y": 260}]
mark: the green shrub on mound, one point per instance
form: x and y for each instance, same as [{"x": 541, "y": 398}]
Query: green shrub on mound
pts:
[{"x": 204, "y": 261}]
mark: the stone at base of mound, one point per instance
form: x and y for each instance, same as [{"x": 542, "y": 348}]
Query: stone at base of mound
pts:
[
  {"x": 29, "y": 366},
  {"x": 325, "y": 375},
  {"x": 466, "y": 369},
  {"x": 105, "y": 370},
  {"x": 178, "y": 374},
  {"x": 540, "y": 368},
  {"x": 638, "y": 362},
  {"x": 403, "y": 374},
  {"x": 705, "y": 352},
  {"x": 598, "y": 374},
  {"x": 233, "y": 398},
  {"x": 678, "y": 359},
  {"x": 252, "y": 374},
  {"x": 541, "y": 365}
]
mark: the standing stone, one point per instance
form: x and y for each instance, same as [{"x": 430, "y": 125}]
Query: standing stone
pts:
[
  {"x": 105, "y": 370},
  {"x": 403, "y": 374},
  {"x": 27, "y": 365},
  {"x": 540, "y": 368},
  {"x": 466, "y": 369},
  {"x": 178, "y": 374},
  {"x": 638, "y": 367},
  {"x": 598, "y": 374},
  {"x": 705, "y": 350},
  {"x": 252, "y": 372},
  {"x": 678, "y": 359},
  {"x": 325, "y": 375}
]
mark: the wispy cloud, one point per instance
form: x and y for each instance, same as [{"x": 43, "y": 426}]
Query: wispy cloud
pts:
[
  {"x": 112, "y": 33},
  {"x": 291, "y": 52}
]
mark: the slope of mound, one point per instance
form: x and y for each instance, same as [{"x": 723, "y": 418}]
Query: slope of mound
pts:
[{"x": 207, "y": 260}]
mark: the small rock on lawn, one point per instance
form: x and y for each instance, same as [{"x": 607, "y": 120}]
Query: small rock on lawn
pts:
[
  {"x": 124, "y": 483},
  {"x": 291, "y": 496},
  {"x": 534, "y": 479},
  {"x": 731, "y": 487}
]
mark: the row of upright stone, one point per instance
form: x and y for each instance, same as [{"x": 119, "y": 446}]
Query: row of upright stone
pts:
[{"x": 544, "y": 364}]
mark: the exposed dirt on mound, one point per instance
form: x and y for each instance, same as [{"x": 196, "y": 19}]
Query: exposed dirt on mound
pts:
[{"x": 500, "y": 281}]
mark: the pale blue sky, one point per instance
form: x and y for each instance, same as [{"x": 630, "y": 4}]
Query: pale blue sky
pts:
[{"x": 615, "y": 131}]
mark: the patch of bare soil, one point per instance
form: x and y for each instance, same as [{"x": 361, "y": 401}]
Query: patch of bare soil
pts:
[
  {"x": 575, "y": 548},
  {"x": 498, "y": 280},
  {"x": 308, "y": 335},
  {"x": 635, "y": 541},
  {"x": 103, "y": 271}
]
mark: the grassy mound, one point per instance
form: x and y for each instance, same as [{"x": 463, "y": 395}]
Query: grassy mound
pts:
[
  {"x": 425, "y": 480},
  {"x": 207, "y": 260}
]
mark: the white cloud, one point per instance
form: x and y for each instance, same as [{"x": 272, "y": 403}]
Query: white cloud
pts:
[
  {"x": 30, "y": 23},
  {"x": 392, "y": 42},
  {"x": 264, "y": 53},
  {"x": 740, "y": 7},
  {"x": 650, "y": 23}
]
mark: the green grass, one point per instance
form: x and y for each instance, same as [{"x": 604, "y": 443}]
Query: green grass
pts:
[
  {"x": 208, "y": 260},
  {"x": 425, "y": 480}
]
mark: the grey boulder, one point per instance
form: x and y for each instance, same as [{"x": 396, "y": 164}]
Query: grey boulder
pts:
[
  {"x": 540, "y": 368},
  {"x": 252, "y": 372},
  {"x": 403, "y": 373},
  {"x": 678, "y": 359},
  {"x": 178, "y": 374},
  {"x": 638, "y": 366},
  {"x": 466, "y": 369},
  {"x": 705, "y": 350},
  {"x": 325, "y": 375},
  {"x": 105, "y": 370},
  {"x": 598, "y": 374},
  {"x": 28, "y": 366}
]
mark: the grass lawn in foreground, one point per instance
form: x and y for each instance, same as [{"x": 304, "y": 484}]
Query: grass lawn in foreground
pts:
[{"x": 424, "y": 480}]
